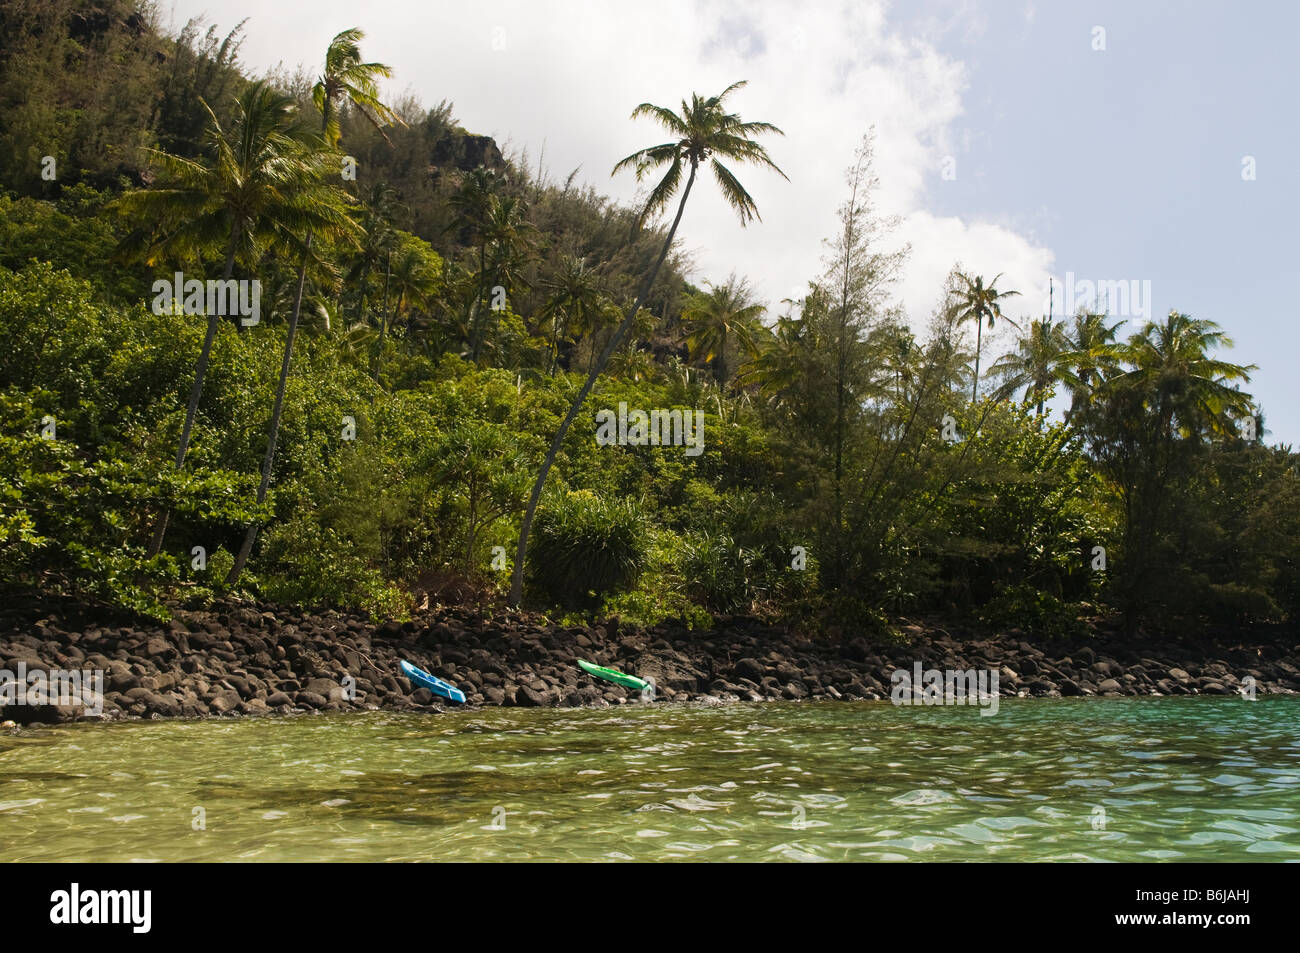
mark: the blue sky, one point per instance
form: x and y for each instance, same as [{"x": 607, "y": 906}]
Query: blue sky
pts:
[
  {"x": 1115, "y": 164},
  {"x": 1127, "y": 163}
]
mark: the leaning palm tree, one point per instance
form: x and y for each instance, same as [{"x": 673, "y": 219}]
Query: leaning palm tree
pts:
[
  {"x": 235, "y": 199},
  {"x": 702, "y": 132},
  {"x": 331, "y": 218},
  {"x": 1036, "y": 364},
  {"x": 348, "y": 79},
  {"x": 980, "y": 303},
  {"x": 717, "y": 318}
]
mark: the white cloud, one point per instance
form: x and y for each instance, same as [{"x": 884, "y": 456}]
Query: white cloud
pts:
[{"x": 566, "y": 75}]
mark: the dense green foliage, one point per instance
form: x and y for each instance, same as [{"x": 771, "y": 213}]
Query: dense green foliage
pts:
[{"x": 452, "y": 304}]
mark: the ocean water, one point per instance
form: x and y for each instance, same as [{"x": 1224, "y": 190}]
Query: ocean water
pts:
[{"x": 1158, "y": 779}]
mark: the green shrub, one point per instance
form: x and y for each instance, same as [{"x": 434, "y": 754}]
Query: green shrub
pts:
[
  {"x": 584, "y": 547},
  {"x": 1039, "y": 614},
  {"x": 660, "y": 593},
  {"x": 719, "y": 573},
  {"x": 1233, "y": 603},
  {"x": 316, "y": 567}
]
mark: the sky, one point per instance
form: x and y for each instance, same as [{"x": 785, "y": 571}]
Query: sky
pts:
[{"x": 1147, "y": 143}]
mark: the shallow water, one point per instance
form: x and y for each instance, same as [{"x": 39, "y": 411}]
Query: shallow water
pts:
[{"x": 1211, "y": 779}]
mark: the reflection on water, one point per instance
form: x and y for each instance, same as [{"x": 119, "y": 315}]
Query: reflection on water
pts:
[{"x": 1072, "y": 779}]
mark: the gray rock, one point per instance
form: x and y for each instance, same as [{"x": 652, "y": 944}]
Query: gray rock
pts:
[
  {"x": 527, "y": 697},
  {"x": 223, "y": 702}
]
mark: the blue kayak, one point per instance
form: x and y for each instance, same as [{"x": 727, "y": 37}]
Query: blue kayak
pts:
[{"x": 423, "y": 679}]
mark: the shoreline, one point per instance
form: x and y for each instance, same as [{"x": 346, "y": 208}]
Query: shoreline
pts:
[{"x": 247, "y": 659}]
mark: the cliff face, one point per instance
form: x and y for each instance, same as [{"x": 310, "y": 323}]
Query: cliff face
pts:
[{"x": 464, "y": 152}]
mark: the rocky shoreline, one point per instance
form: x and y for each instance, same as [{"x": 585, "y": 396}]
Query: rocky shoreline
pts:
[{"x": 240, "y": 659}]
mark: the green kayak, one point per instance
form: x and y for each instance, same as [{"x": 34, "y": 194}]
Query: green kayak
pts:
[{"x": 615, "y": 676}]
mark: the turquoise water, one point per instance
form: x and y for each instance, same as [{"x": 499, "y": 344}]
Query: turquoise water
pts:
[{"x": 1211, "y": 779}]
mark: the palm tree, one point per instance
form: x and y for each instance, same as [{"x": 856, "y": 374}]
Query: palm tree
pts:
[
  {"x": 899, "y": 350},
  {"x": 416, "y": 274},
  {"x": 575, "y": 302},
  {"x": 507, "y": 241},
  {"x": 980, "y": 303},
  {"x": 716, "y": 319},
  {"x": 1192, "y": 393},
  {"x": 779, "y": 363},
  {"x": 702, "y": 131},
  {"x": 1036, "y": 364},
  {"x": 1145, "y": 425},
  {"x": 345, "y": 78},
  {"x": 473, "y": 202},
  {"x": 1093, "y": 356},
  {"x": 378, "y": 239},
  {"x": 332, "y": 220},
  {"x": 249, "y": 188}
]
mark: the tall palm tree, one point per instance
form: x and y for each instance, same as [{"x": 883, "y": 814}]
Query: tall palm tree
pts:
[
  {"x": 346, "y": 78},
  {"x": 249, "y": 188},
  {"x": 702, "y": 132},
  {"x": 333, "y": 221},
  {"x": 980, "y": 303},
  {"x": 719, "y": 317},
  {"x": 1037, "y": 363}
]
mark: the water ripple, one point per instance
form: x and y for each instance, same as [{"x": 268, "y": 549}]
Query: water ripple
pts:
[{"x": 1061, "y": 780}]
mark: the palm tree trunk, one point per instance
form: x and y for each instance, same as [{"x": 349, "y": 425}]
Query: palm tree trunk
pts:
[
  {"x": 979, "y": 334},
  {"x": 269, "y": 460},
  {"x": 196, "y": 391},
  {"x": 517, "y": 576}
]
